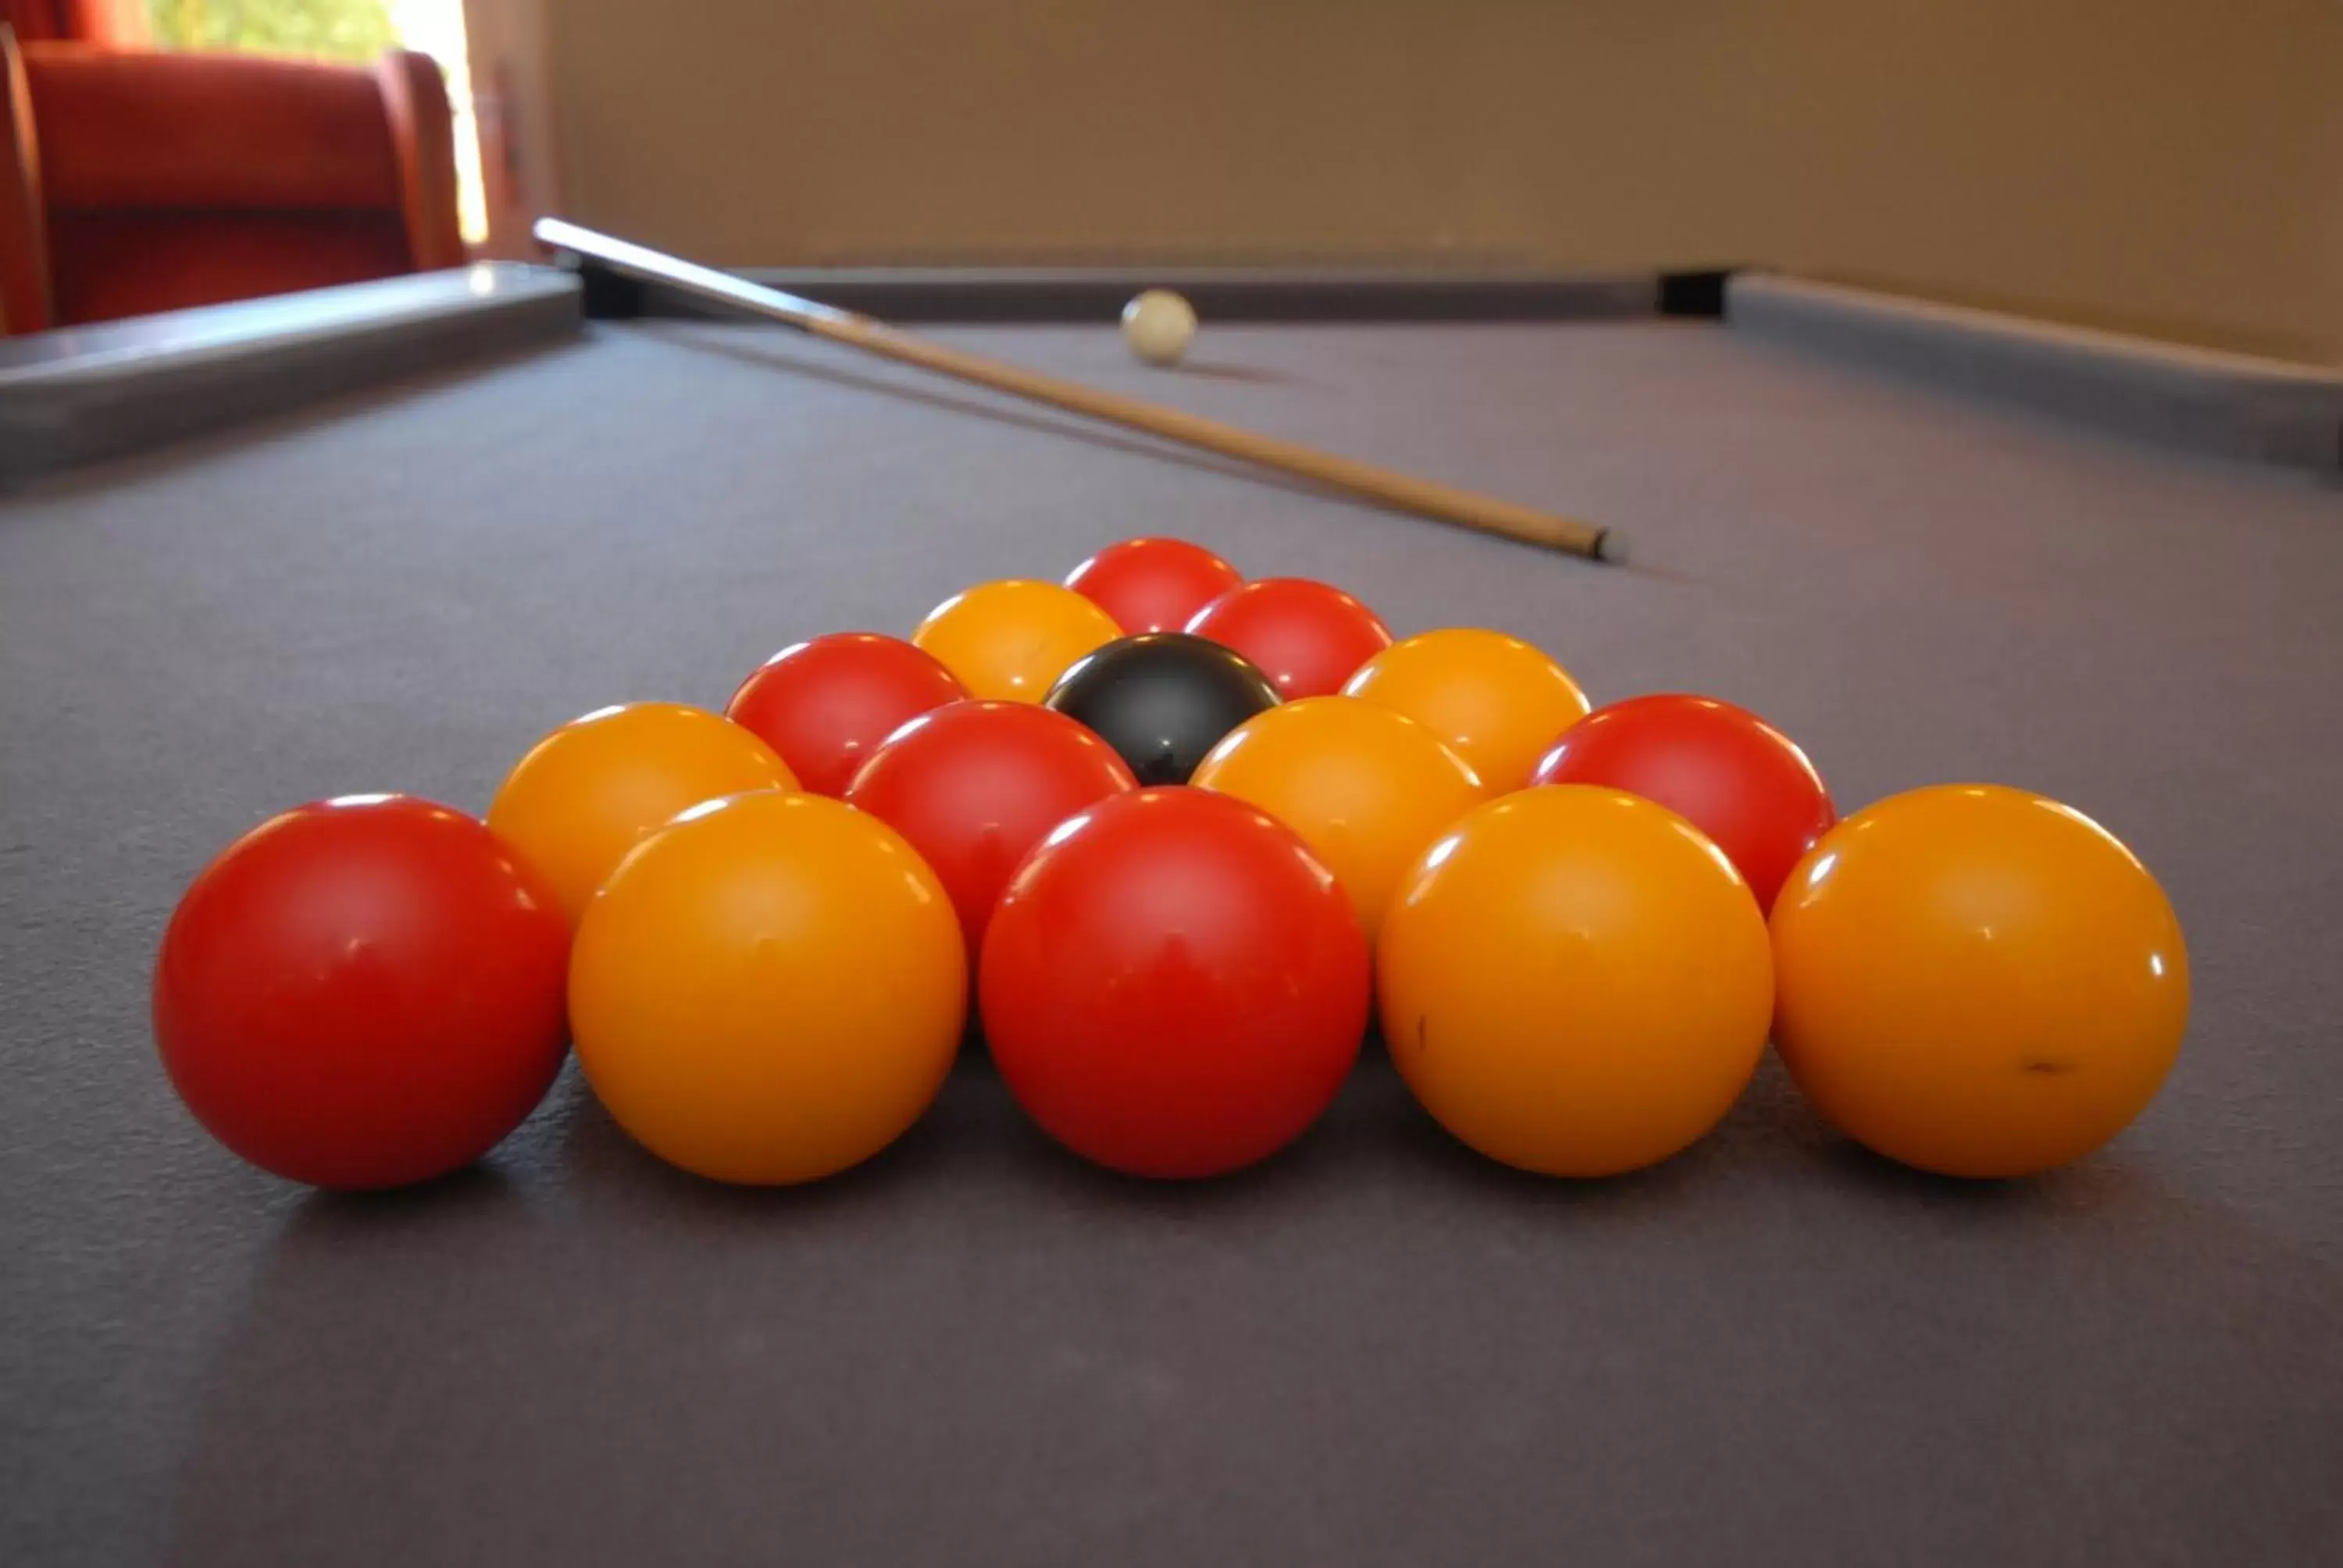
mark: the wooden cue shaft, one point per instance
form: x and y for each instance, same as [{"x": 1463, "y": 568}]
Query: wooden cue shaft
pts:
[{"x": 1402, "y": 492}]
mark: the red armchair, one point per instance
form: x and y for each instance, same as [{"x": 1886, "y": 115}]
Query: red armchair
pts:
[{"x": 133, "y": 182}]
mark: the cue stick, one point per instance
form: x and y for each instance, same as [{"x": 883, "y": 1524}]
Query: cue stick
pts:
[{"x": 1402, "y": 492}]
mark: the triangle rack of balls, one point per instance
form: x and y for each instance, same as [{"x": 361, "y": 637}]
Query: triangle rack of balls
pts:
[{"x": 1171, "y": 846}]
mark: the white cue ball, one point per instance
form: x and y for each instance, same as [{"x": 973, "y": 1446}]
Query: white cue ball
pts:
[{"x": 1158, "y": 326}]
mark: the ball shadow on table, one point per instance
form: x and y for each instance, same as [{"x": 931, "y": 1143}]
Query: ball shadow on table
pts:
[
  {"x": 577, "y": 1352},
  {"x": 1373, "y": 1133},
  {"x": 1234, "y": 370},
  {"x": 975, "y": 1136},
  {"x": 572, "y": 1351},
  {"x": 2108, "y": 1182},
  {"x": 1771, "y": 1139}
]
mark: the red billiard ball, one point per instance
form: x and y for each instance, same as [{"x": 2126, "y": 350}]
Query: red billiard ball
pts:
[
  {"x": 973, "y": 786},
  {"x": 1172, "y": 986},
  {"x": 1308, "y": 637},
  {"x": 1153, "y": 585},
  {"x": 1728, "y": 772},
  {"x": 363, "y": 993},
  {"x": 825, "y": 705}
]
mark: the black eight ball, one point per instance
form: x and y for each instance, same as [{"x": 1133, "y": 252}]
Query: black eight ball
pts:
[{"x": 1163, "y": 700}]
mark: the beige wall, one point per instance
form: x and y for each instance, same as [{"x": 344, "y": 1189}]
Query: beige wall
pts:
[{"x": 2175, "y": 161}]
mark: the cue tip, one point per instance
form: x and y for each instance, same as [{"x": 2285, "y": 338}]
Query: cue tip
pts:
[{"x": 1611, "y": 547}]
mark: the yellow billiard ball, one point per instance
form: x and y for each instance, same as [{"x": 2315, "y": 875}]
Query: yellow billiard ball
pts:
[
  {"x": 1575, "y": 980},
  {"x": 1365, "y": 787},
  {"x": 1496, "y": 700},
  {"x": 588, "y": 792},
  {"x": 1010, "y": 640},
  {"x": 1978, "y": 980},
  {"x": 771, "y": 989}
]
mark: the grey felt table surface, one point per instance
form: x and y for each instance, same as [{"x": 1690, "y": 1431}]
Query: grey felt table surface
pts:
[{"x": 1377, "y": 1349}]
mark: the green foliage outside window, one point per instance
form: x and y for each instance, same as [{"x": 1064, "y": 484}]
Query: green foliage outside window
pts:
[{"x": 330, "y": 29}]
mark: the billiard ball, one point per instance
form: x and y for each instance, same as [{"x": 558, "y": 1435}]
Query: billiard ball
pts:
[
  {"x": 1574, "y": 981},
  {"x": 1010, "y": 640},
  {"x": 1367, "y": 790},
  {"x": 588, "y": 792},
  {"x": 1978, "y": 980},
  {"x": 1172, "y": 986},
  {"x": 769, "y": 990},
  {"x": 1159, "y": 324},
  {"x": 973, "y": 786},
  {"x": 1153, "y": 585},
  {"x": 1308, "y": 637},
  {"x": 1161, "y": 699},
  {"x": 825, "y": 705},
  {"x": 363, "y": 993},
  {"x": 1497, "y": 701},
  {"x": 1728, "y": 772}
]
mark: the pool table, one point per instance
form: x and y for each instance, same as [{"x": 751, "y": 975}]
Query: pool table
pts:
[{"x": 389, "y": 546}]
